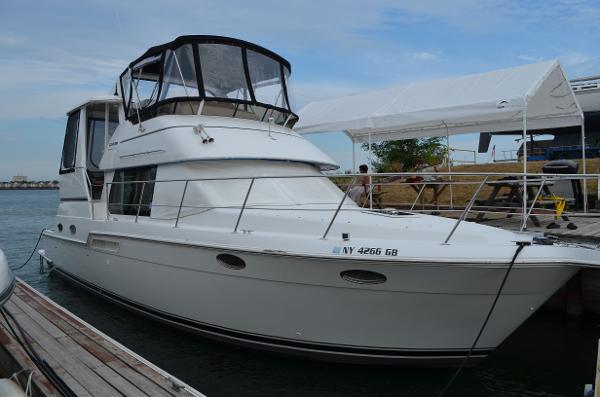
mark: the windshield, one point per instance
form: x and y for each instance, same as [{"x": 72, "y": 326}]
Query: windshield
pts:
[{"x": 210, "y": 78}]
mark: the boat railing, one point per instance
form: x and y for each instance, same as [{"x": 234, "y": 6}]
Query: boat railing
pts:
[{"x": 518, "y": 183}]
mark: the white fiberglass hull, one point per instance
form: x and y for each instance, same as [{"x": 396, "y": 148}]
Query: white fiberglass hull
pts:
[{"x": 424, "y": 313}]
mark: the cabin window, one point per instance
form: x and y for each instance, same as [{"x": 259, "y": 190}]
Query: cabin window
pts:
[
  {"x": 67, "y": 163},
  {"x": 131, "y": 191},
  {"x": 113, "y": 120}
]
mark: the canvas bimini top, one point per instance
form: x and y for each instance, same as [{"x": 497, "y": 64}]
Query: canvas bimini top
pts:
[{"x": 232, "y": 77}]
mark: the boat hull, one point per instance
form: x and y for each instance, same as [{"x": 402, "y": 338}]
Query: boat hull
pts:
[{"x": 423, "y": 314}]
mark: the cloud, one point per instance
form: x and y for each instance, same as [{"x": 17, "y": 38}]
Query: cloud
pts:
[
  {"x": 530, "y": 58},
  {"x": 10, "y": 41},
  {"x": 422, "y": 56}
]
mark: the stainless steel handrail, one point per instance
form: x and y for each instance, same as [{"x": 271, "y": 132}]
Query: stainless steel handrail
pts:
[
  {"x": 544, "y": 179},
  {"x": 537, "y": 195},
  {"x": 466, "y": 211},
  {"x": 338, "y": 208},
  {"x": 237, "y": 223},
  {"x": 181, "y": 203},
  {"x": 137, "y": 214}
]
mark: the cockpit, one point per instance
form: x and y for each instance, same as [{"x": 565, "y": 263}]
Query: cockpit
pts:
[{"x": 209, "y": 75}]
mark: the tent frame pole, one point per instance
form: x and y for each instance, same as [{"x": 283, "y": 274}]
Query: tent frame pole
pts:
[
  {"x": 524, "y": 221},
  {"x": 584, "y": 163},
  {"x": 370, "y": 172},
  {"x": 449, "y": 164},
  {"x": 353, "y": 155}
]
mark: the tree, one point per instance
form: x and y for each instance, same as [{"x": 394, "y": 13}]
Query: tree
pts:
[{"x": 404, "y": 155}]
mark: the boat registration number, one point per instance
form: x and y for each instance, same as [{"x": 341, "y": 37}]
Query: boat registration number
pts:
[{"x": 349, "y": 250}]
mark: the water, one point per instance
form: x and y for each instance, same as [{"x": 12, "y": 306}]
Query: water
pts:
[{"x": 548, "y": 355}]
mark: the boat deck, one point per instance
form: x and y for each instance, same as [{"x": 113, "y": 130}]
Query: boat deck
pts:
[
  {"x": 588, "y": 228},
  {"x": 89, "y": 362}
]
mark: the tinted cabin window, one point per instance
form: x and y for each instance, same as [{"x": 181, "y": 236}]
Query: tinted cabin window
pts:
[
  {"x": 67, "y": 163},
  {"x": 130, "y": 191}
]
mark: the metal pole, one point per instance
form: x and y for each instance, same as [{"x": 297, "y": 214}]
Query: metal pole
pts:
[
  {"x": 106, "y": 185},
  {"x": 243, "y": 206},
  {"x": 181, "y": 203},
  {"x": 370, "y": 191},
  {"x": 140, "y": 202},
  {"x": 524, "y": 223},
  {"x": 537, "y": 195},
  {"x": 353, "y": 156},
  {"x": 467, "y": 209},
  {"x": 584, "y": 163},
  {"x": 339, "y": 207},
  {"x": 418, "y": 196},
  {"x": 449, "y": 163}
]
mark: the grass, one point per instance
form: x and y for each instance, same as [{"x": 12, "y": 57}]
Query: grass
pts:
[{"x": 399, "y": 194}]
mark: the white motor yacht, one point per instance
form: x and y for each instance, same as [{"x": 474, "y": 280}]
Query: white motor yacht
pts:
[{"x": 188, "y": 197}]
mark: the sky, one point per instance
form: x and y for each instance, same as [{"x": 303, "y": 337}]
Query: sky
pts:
[{"x": 55, "y": 54}]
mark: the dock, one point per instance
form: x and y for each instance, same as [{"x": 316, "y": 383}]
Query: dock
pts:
[
  {"x": 89, "y": 362},
  {"x": 588, "y": 228}
]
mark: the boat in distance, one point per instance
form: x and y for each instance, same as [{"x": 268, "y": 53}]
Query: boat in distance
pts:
[{"x": 187, "y": 196}]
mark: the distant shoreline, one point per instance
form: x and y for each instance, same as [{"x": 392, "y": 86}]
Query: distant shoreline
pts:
[{"x": 29, "y": 188}]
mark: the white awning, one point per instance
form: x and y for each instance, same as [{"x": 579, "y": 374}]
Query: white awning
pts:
[{"x": 485, "y": 102}]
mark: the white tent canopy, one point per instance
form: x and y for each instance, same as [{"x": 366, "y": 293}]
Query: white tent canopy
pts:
[{"x": 487, "y": 102}]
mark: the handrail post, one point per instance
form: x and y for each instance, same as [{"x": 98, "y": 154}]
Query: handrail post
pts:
[
  {"x": 181, "y": 203},
  {"x": 339, "y": 207},
  {"x": 537, "y": 195},
  {"x": 140, "y": 202},
  {"x": 237, "y": 223},
  {"x": 418, "y": 196},
  {"x": 467, "y": 209},
  {"x": 106, "y": 185}
]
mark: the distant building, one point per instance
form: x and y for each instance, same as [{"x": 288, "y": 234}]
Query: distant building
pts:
[{"x": 19, "y": 178}]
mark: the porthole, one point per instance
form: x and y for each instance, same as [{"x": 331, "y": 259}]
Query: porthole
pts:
[
  {"x": 72, "y": 229},
  {"x": 231, "y": 261},
  {"x": 59, "y": 227},
  {"x": 363, "y": 277}
]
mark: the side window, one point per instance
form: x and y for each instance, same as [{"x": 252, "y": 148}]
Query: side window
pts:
[
  {"x": 113, "y": 120},
  {"x": 67, "y": 163},
  {"x": 95, "y": 135},
  {"x": 131, "y": 191}
]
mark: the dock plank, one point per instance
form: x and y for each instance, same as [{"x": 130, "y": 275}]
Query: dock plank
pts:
[
  {"x": 74, "y": 384},
  {"x": 50, "y": 350},
  {"x": 83, "y": 345},
  {"x": 62, "y": 324},
  {"x": 107, "y": 373}
]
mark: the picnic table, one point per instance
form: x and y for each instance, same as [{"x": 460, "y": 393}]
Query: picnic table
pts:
[
  {"x": 514, "y": 197},
  {"x": 436, "y": 186}
]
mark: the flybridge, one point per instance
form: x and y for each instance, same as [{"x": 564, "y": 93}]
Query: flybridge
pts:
[{"x": 208, "y": 75}]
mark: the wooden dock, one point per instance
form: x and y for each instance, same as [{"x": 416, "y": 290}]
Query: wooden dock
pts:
[
  {"x": 89, "y": 362},
  {"x": 588, "y": 228}
]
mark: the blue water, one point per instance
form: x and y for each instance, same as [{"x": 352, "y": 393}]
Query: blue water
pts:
[{"x": 549, "y": 355}]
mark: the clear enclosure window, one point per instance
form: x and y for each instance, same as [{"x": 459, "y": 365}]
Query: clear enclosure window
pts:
[
  {"x": 265, "y": 76},
  {"x": 144, "y": 84},
  {"x": 70, "y": 144},
  {"x": 223, "y": 71},
  {"x": 179, "y": 78}
]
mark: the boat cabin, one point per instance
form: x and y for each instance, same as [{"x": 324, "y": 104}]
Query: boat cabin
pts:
[{"x": 156, "y": 126}]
